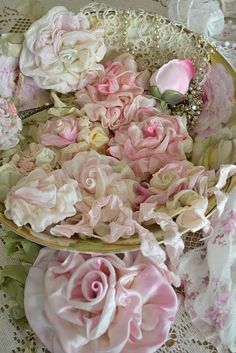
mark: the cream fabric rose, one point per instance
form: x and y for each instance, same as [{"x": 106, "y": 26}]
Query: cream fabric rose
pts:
[
  {"x": 171, "y": 179},
  {"x": 41, "y": 199},
  {"x": 61, "y": 52},
  {"x": 99, "y": 304}
]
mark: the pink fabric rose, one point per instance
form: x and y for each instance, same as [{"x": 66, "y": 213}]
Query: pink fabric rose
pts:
[
  {"x": 61, "y": 52},
  {"x": 117, "y": 96},
  {"x": 218, "y": 102},
  {"x": 27, "y": 94},
  {"x": 171, "y": 179},
  {"x": 150, "y": 142},
  {"x": 42, "y": 199},
  {"x": 175, "y": 75},
  {"x": 107, "y": 189},
  {"x": 59, "y": 133},
  {"x": 103, "y": 304},
  {"x": 10, "y": 125}
]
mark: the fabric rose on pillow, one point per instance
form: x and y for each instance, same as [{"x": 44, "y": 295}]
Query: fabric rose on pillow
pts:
[
  {"x": 150, "y": 142},
  {"x": 107, "y": 189},
  {"x": 117, "y": 96},
  {"x": 10, "y": 125},
  {"x": 61, "y": 52},
  {"x": 218, "y": 96},
  {"x": 104, "y": 304},
  {"x": 41, "y": 199}
]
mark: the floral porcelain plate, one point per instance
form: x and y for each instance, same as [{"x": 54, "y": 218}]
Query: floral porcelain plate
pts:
[{"x": 138, "y": 143}]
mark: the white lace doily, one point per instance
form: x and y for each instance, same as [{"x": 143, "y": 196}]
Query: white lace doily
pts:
[{"x": 184, "y": 338}]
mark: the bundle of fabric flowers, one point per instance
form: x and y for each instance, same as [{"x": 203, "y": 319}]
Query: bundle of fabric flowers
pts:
[{"x": 109, "y": 160}]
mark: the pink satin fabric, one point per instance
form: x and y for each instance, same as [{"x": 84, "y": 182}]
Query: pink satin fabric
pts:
[{"x": 99, "y": 304}]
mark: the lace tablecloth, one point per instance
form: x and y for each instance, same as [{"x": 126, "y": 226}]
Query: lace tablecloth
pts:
[{"x": 184, "y": 337}]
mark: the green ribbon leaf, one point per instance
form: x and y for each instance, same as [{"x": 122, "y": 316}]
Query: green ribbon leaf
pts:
[
  {"x": 155, "y": 92},
  {"x": 163, "y": 106},
  {"x": 19, "y": 248},
  {"x": 173, "y": 97},
  {"x": 13, "y": 277}
]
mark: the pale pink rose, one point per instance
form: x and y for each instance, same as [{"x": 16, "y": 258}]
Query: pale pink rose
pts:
[
  {"x": 175, "y": 75},
  {"x": 107, "y": 189},
  {"x": 151, "y": 142},
  {"x": 171, "y": 179},
  {"x": 41, "y": 199},
  {"x": 27, "y": 94},
  {"x": 10, "y": 125},
  {"x": 218, "y": 93},
  {"x": 101, "y": 175},
  {"x": 104, "y": 304},
  {"x": 117, "y": 96},
  {"x": 61, "y": 132},
  {"x": 61, "y": 52},
  {"x": 26, "y": 164}
]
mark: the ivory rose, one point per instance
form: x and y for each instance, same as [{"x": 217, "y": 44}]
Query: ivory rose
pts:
[
  {"x": 173, "y": 77},
  {"x": 150, "y": 142},
  {"x": 10, "y": 125},
  {"x": 218, "y": 93},
  {"x": 61, "y": 51},
  {"x": 117, "y": 96},
  {"x": 41, "y": 199},
  {"x": 104, "y": 304},
  {"x": 187, "y": 208}
]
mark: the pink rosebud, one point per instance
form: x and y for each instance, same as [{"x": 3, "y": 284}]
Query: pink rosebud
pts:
[{"x": 175, "y": 75}]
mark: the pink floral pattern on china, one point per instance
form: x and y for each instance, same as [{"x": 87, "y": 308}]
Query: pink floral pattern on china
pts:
[
  {"x": 218, "y": 93},
  {"x": 112, "y": 303},
  {"x": 208, "y": 277}
]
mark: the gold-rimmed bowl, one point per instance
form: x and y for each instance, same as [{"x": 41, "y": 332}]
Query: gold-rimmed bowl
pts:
[{"x": 161, "y": 36}]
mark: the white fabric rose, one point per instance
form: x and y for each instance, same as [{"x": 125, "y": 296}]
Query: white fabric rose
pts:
[{"x": 61, "y": 52}]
